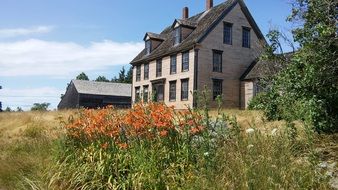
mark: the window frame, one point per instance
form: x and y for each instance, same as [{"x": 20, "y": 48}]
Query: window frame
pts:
[
  {"x": 148, "y": 45},
  {"x": 227, "y": 25},
  {"x": 172, "y": 93},
  {"x": 246, "y": 40},
  {"x": 173, "y": 67},
  {"x": 138, "y": 73},
  {"x": 146, "y": 98},
  {"x": 185, "y": 61},
  {"x": 219, "y": 91},
  {"x": 218, "y": 69},
  {"x": 159, "y": 68},
  {"x": 137, "y": 94},
  {"x": 146, "y": 71},
  {"x": 184, "y": 93},
  {"x": 177, "y": 36}
]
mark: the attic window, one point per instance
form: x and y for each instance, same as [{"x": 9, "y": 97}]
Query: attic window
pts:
[
  {"x": 177, "y": 35},
  {"x": 148, "y": 47}
]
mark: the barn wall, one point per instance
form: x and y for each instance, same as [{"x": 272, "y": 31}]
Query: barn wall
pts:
[{"x": 71, "y": 98}]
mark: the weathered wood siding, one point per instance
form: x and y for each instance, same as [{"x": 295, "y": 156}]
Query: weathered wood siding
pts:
[
  {"x": 168, "y": 77},
  {"x": 236, "y": 59},
  {"x": 71, "y": 98}
]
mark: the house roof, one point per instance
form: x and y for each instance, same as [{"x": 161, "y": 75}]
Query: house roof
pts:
[
  {"x": 102, "y": 88},
  {"x": 261, "y": 68},
  {"x": 204, "y": 23}
]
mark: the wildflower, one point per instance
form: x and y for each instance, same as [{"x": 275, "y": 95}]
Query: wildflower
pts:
[
  {"x": 123, "y": 145},
  {"x": 274, "y": 131},
  {"x": 250, "y": 130},
  {"x": 250, "y": 146},
  {"x": 164, "y": 133},
  {"x": 196, "y": 130},
  {"x": 206, "y": 154},
  {"x": 105, "y": 145}
]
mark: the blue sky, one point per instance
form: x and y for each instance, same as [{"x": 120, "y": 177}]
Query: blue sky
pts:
[{"x": 44, "y": 43}]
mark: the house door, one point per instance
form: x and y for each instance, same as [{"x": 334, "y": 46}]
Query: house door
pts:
[{"x": 158, "y": 92}]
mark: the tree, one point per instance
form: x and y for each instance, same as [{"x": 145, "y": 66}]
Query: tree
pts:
[
  {"x": 8, "y": 109},
  {"x": 129, "y": 76},
  {"x": 122, "y": 75},
  {"x": 19, "y": 109},
  {"x": 307, "y": 89},
  {"x": 82, "y": 76},
  {"x": 101, "y": 79},
  {"x": 40, "y": 106}
]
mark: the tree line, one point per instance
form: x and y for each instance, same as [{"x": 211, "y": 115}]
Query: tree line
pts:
[{"x": 123, "y": 77}]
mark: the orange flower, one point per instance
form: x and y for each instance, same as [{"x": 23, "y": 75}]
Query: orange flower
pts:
[
  {"x": 105, "y": 145},
  {"x": 123, "y": 145},
  {"x": 163, "y": 133}
]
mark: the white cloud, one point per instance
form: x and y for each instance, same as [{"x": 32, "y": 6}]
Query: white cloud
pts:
[
  {"x": 14, "y": 32},
  {"x": 25, "y": 98},
  {"x": 62, "y": 59}
]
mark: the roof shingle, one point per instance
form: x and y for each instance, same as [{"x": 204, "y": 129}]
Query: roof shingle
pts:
[
  {"x": 202, "y": 21},
  {"x": 102, "y": 88}
]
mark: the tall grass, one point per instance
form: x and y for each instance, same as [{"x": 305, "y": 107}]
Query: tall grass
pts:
[
  {"x": 26, "y": 148},
  {"x": 154, "y": 147}
]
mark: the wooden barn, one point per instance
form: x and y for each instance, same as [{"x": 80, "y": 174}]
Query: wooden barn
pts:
[{"x": 90, "y": 94}]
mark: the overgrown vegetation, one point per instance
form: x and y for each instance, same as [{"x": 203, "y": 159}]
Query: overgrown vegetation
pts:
[
  {"x": 155, "y": 147},
  {"x": 156, "y": 151},
  {"x": 307, "y": 89}
]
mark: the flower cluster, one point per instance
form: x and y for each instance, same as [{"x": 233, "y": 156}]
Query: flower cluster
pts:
[{"x": 148, "y": 121}]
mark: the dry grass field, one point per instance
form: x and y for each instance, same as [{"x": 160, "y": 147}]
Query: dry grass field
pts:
[{"x": 28, "y": 141}]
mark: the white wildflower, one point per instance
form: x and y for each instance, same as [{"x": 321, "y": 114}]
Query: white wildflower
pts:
[
  {"x": 206, "y": 154},
  {"x": 250, "y": 130},
  {"x": 274, "y": 131},
  {"x": 250, "y": 146}
]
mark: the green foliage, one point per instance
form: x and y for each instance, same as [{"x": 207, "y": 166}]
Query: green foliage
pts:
[
  {"x": 101, "y": 79},
  {"x": 40, "y": 106},
  {"x": 8, "y": 109},
  {"x": 82, "y": 76},
  {"x": 123, "y": 77},
  {"x": 307, "y": 89}
]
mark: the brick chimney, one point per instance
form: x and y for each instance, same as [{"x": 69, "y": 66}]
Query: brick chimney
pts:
[
  {"x": 209, "y": 4},
  {"x": 185, "y": 14}
]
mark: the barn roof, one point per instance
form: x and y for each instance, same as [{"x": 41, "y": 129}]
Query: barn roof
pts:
[
  {"x": 203, "y": 23},
  {"x": 102, "y": 88}
]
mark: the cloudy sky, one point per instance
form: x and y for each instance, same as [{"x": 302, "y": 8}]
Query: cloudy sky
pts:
[{"x": 46, "y": 43}]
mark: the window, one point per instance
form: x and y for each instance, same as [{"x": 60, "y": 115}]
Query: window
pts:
[
  {"x": 246, "y": 37},
  {"x": 184, "y": 89},
  {"x": 217, "y": 61},
  {"x": 173, "y": 61},
  {"x": 137, "y": 94},
  {"x": 185, "y": 61},
  {"x": 138, "y": 73},
  {"x": 177, "y": 35},
  {"x": 172, "y": 91},
  {"x": 145, "y": 93},
  {"x": 146, "y": 71},
  {"x": 216, "y": 88},
  {"x": 227, "y": 33},
  {"x": 159, "y": 68},
  {"x": 148, "y": 47}
]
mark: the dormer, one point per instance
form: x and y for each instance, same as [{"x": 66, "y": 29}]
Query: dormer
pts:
[
  {"x": 182, "y": 28},
  {"x": 152, "y": 41}
]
